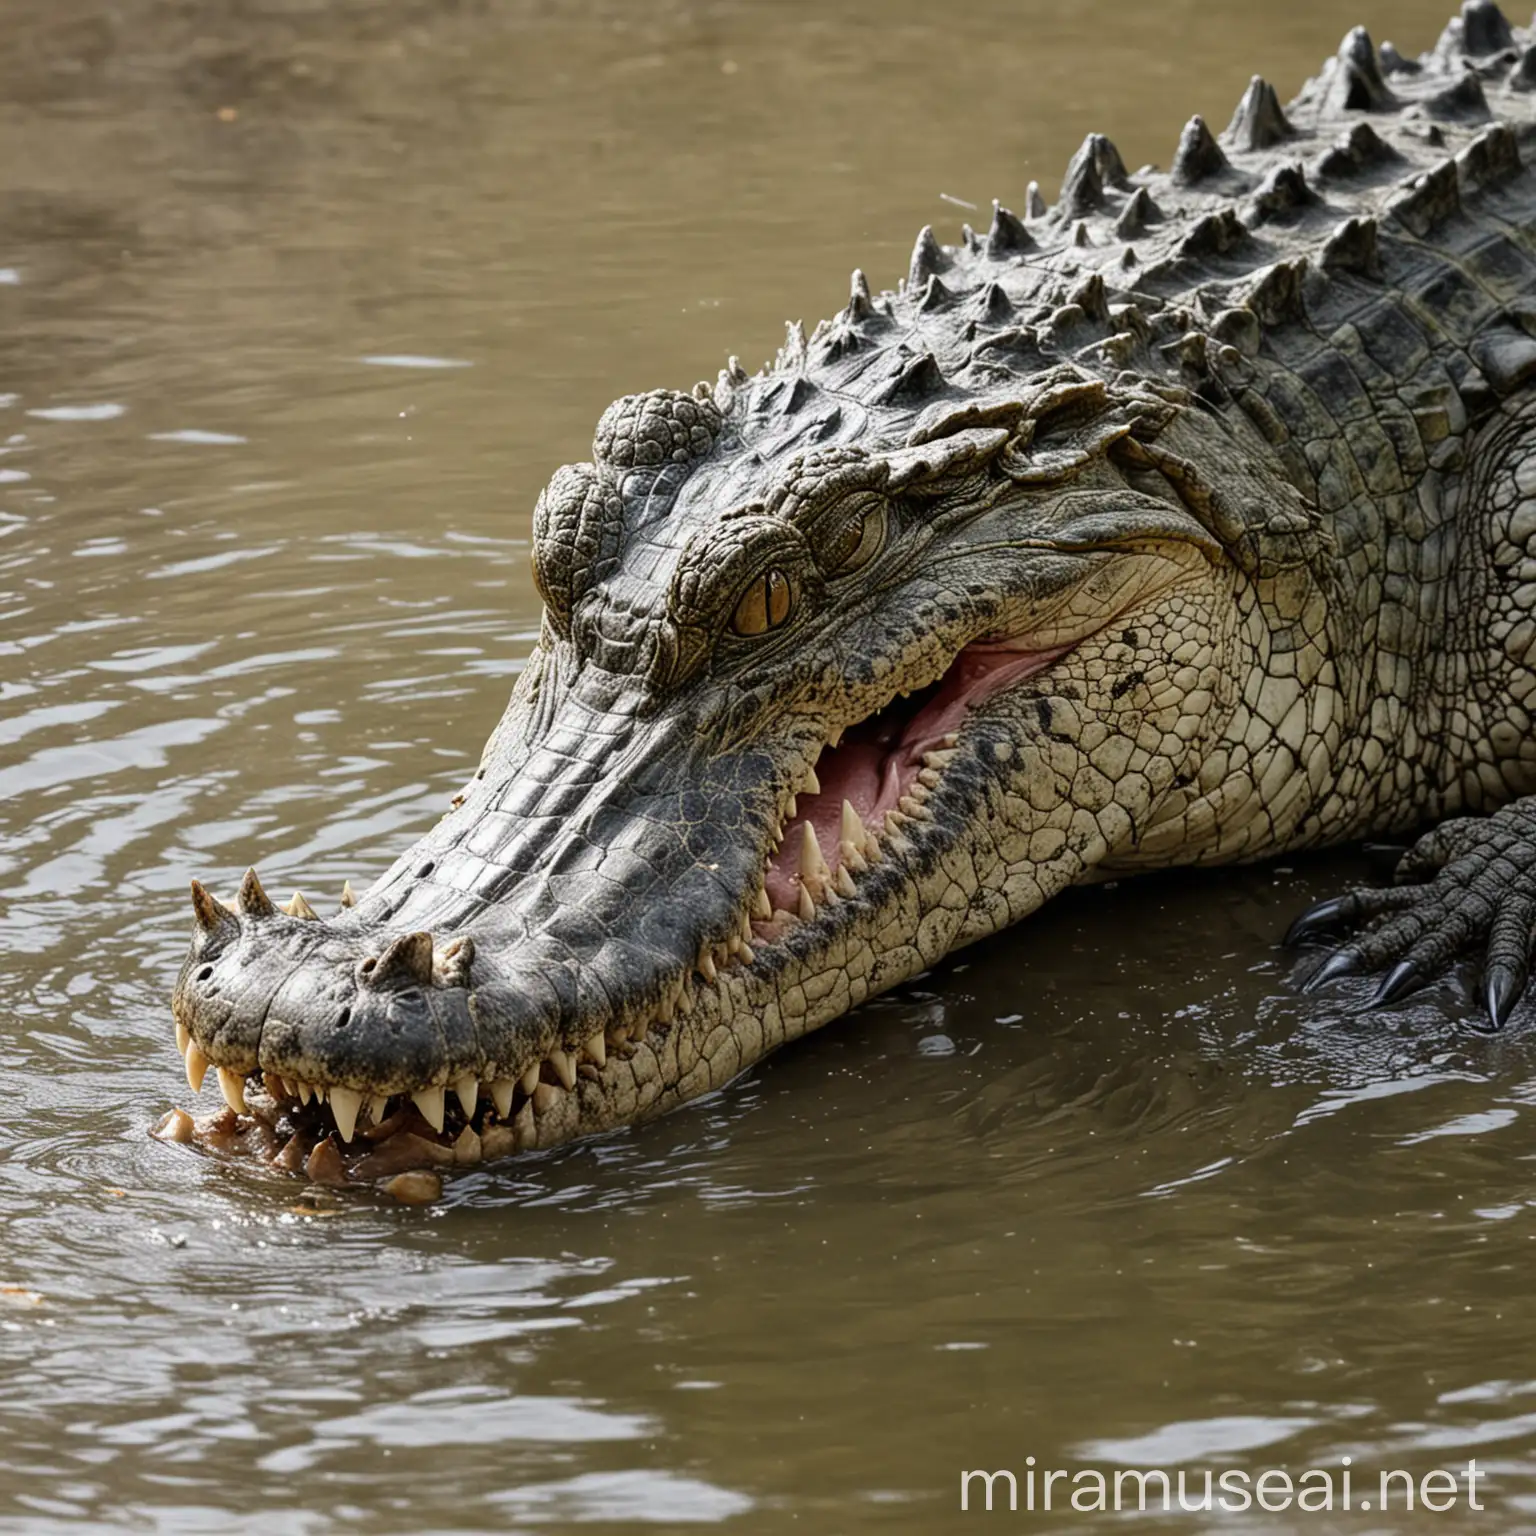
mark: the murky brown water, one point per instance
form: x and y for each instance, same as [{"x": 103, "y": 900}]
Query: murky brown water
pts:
[{"x": 299, "y": 305}]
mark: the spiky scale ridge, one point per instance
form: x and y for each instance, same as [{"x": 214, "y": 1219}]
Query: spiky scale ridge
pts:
[
  {"x": 1139, "y": 212},
  {"x": 1355, "y": 82},
  {"x": 1082, "y": 188},
  {"x": 927, "y": 258},
  {"x": 1007, "y": 233},
  {"x": 1198, "y": 156},
  {"x": 1283, "y": 191},
  {"x": 1463, "y": 102},
  {"x": 1352, "y": 248},
  {"x": 1259, "y": 122},
  {"x": 1393, "y": 63},
  {"x": 1267, "y": 230},
  {"x": 1484, "y": 29}
]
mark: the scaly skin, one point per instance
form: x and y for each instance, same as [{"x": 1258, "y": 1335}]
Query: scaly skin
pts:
[{"x": 1197, "y": 506}]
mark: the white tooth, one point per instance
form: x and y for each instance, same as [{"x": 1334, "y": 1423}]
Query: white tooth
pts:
[
  {"x": 430, "y": 1102},
  {"x": 545, "y": 1097},
  {"x": 835, "y": 740},
  {"x": 685, "y": 995},
  {"x": 807, "y": 906},
  {"x": 783, "y": 918},
  {"x": 705, "y": 964},
  {"x": 852, "y": 829},
  {"x": 746, "y": 928},
  {"x": 667, "y": 1005},
  {"x": 345, "y": 1103},
  {"x": 640, "y": 1031},
  {"x": 320, "y": 1093},
  {"x": 909, "y": 805},
  {"x": 761, "y": 906},
  {"x": 467, "y": 1091},
  {"x": 501, "y": 1096},
  {"x": 304, "y": 1091},
  {"x": 530, "y": 1079},
  {"x": 232, "y": 1086},
  {"x": 813, "y": 868},
  {"x": 197, "y": 1065},
  {"x": 596, "y": 1049},
  {"x": 940, "y": 759},
  {"x": 789, "y": 815},
  {"x": 950, "y": 739},
  {"x": 378, "y": 1108},
  {"x": 347, "y": 898},
  {"x": 565, "y": 1068},
  {"x": 929, "y": 776},
  {"x": 845, "y": 883},
  {"x": 183, "y": 1039},
  {"x": 747, "y": 954},
  {"x": 812, "y": 783},
  {"x": 853, "y": 857},
  {"x": 296, "y": 906}
]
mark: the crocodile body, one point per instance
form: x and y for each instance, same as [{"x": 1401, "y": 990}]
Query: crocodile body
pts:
[{"x": 1186, "y": 521}]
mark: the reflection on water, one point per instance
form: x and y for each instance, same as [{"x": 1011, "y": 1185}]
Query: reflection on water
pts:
[{"x": 302, "y": 302}]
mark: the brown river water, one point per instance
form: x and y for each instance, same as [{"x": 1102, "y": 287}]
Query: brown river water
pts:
[{"x": 300, "y": 303}]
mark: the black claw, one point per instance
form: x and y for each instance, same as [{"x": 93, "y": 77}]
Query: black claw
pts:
[
  {"x": 1501, "y": 991},
  {"x": 1320, "y": 917},
  {"x": 1342, "y": 962},
  {"x": 1403, "y": 978}
]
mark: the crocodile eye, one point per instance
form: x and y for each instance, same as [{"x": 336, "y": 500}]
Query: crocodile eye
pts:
[
  {"x": 859, "y": 534},
  {"x": 764, "y": 605}
]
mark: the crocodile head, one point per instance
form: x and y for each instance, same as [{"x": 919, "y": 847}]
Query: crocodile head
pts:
[{"x": 842, "y": 667}]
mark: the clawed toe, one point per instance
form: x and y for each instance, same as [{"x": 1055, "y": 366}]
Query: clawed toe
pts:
[
  {"x": 1343, "y": 962},
  {"x": 1403, "y": 978},
  {"x": 1502, "y": 989},
  {"x": 1322, "y": 917}
]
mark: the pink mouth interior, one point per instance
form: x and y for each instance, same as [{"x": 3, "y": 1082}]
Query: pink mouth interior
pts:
[{"x": 878, "y": 760}]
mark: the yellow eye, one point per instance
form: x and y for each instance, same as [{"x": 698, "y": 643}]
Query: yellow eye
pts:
[
  {"x": 859, "y": 534},
  {"x": 764, "y": 605}
]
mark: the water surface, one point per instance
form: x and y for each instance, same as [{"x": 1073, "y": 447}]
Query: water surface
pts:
[{"x": 300, "y": 304}]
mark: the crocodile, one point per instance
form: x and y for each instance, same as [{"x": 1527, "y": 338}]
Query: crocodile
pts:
[{"x": 1187, "y": 520}]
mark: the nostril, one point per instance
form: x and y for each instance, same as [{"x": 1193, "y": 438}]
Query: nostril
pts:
[
  {"x": 425, "y": 870},
  {"x": 368, "y": 964},
  {"x": 205, "y": 973},
  {"x": 344, "y": 1018}
]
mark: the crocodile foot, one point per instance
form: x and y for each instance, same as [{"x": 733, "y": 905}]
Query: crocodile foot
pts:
[{"x": 1469, "y": 885}]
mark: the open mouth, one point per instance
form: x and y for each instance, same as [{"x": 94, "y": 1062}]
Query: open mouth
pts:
[
  {"x": 870, "y": 782},
  {"x": 877, "y": 776}
]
